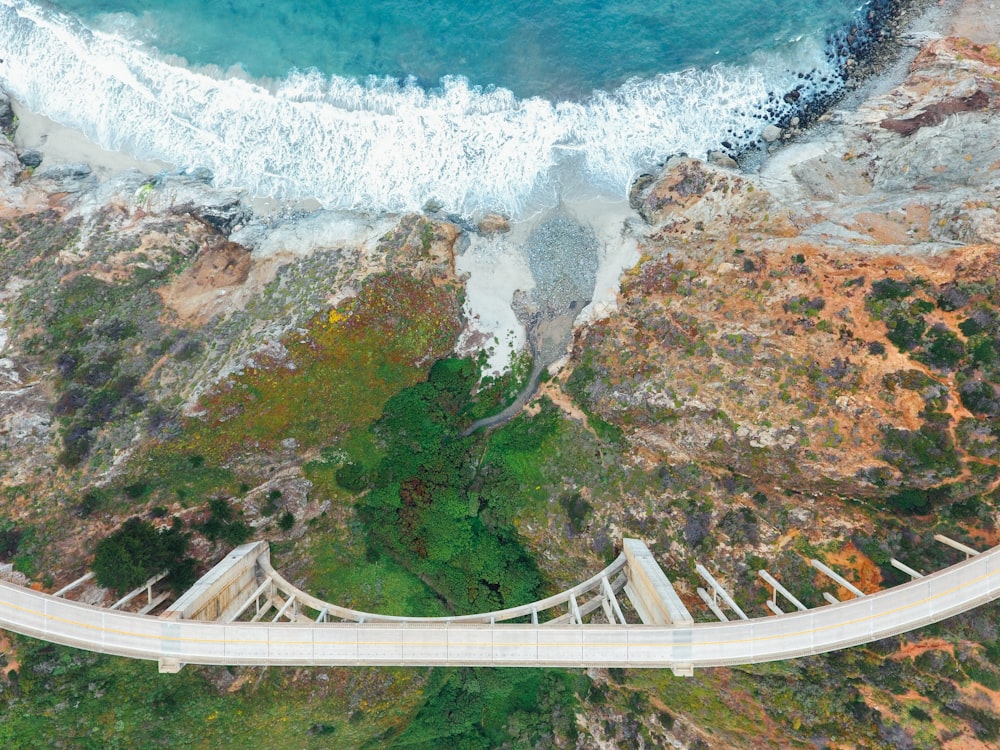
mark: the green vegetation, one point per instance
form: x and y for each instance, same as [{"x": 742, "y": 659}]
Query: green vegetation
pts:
[
  {"x": 470, "y": 709},
  {"x": 224, "y": 525},
  {"x": 337, "y": 376},
  {"x": 442, "y": 507},
  {"x": 137, "y": 551},
  {"x": 120, "y": 703}
]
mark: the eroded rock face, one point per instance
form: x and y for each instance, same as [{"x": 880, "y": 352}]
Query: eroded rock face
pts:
[
  {"x": 423, "y": 244},
  {"x": 219, "y": 265},
  {"x": 747, "y": 336},
  {"x": 222, "y": 264}
]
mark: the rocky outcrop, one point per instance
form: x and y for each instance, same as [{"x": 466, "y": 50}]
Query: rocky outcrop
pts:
[
  {"x": 937, "y": 113},
  {"x": 424, "y": 245},
  {"x": 748, "y": 336},
  {"x": 912, "y": 170}
]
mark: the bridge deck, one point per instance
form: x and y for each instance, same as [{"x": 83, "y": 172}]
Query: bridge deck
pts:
[{"x": 173, "y": 642}]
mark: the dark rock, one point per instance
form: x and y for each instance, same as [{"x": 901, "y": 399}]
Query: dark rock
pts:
[
  {"x": 7, "y": 125},
  {"x": 226, "y": 216},
  {"x": 65, "y": 171},
  {"x": 30, "y": 158},
  {"x": 189, "y": 193},
  {"x": 937, "y": 113},
  {"x": 639, "y": 188}
]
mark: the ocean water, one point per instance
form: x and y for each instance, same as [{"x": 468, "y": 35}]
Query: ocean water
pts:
[{"x": 500, "y": 106}]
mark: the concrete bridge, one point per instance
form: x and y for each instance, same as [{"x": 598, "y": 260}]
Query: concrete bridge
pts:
[{"x": 242, "y": 612}]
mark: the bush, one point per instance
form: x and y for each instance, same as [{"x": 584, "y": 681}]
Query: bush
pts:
[
  {"x": 943, "y": 350},
  {"x": 910, "y": 501},
  {"x": 906, "y": 333},
  {"x": 10, "y": 540},
  {"x": 352, "y": 477},
  {"x": 980, "y": 397},
  {"x": 890, "y": 289},
  {"x": 137, "y": 552},
  {"x": 577, "y": 509},
  {"x": 929, "y": 449},
  {"x": 223, "y": 525}
]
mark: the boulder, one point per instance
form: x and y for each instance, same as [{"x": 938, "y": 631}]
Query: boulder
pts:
[
  {"x": 722, "y": 159},
  {"x": 7, "y": 120},
  {"x": 30, "y": 158},
  {"x": 771, "y": 133},
  {"x": 494, "y": 224}
]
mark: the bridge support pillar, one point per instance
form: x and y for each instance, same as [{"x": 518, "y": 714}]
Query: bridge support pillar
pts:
[
  {"x": 648, "y": 589},
  {"x": 170, "y": 666},
  {"x": 218, "y": 594},
  {"x": 222, "y": 590}
]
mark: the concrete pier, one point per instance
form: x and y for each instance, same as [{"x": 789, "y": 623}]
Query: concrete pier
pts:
[{"x": 648, "y": 589}]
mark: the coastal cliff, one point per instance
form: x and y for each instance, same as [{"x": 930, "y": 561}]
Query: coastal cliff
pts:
[{"x": 804, "y": 362}]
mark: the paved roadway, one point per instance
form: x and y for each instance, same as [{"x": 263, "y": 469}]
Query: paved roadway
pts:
[{"x": 896, "y": 610}]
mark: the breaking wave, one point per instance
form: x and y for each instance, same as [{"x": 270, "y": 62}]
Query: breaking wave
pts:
[{"x": 389, "y": 145}]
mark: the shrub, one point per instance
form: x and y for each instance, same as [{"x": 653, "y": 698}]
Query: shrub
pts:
[
  {"x": 352, "y": 477},
  {"x": 577, "y": 509},
  {"x": 890, "y": 289},
  {"x": 952, "y": 297},
  {"x": 929, "y": 449},
  {"x": 980, "y": 397},
  {"x": 911, "y": 501},
  {"x": 10, "y": 540},
  {"x": 943, "y": 350},
  {"x": 906, "y": 333},
  {"x": 137, "y": 552},
  {"x": 223, "y": 525}
]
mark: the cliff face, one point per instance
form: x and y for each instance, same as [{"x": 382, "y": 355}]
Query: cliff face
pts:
[
  {"x": 786, "y": 325},
  {"x": 805, "y": 362}
]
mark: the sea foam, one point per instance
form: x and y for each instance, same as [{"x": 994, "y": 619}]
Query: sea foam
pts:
[{"x": 384, "y": 144}]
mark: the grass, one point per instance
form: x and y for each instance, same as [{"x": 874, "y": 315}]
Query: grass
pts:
[
  {"x": 341, "y": 571},
  {"x": 119, "y": 703},
  {"x": 336, "y": 376}
]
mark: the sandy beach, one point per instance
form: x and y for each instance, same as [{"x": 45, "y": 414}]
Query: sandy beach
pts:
[{"x": 59, "y": 144}]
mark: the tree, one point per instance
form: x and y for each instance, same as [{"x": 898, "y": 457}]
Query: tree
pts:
[{"x": 137, "y": 552}]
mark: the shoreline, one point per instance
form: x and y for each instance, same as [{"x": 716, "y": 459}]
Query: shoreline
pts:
[
  {"x": 860, "y": 54},
  {"x": 494, "y": 266},
  {"x": 924, "y": 20}
]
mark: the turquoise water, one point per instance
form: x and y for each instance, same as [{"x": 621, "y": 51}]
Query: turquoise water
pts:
[
  {"x": 554, "y": 48},
  {"x": 382, "y": 105}
]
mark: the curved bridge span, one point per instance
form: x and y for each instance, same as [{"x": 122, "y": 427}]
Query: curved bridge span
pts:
[{"x": 204, "y": 626}]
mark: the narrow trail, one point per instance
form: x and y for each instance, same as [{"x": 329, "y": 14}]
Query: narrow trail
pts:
[
  {"x": 526, "y": 394},
  {"x": 548, "y": 337}
]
